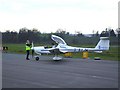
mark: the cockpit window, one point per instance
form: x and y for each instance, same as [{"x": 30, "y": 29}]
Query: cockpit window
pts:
[{"x": 58, "y": 39}]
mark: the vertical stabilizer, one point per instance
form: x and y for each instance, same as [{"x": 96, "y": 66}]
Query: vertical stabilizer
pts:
[{"x": 103, "y": 44}]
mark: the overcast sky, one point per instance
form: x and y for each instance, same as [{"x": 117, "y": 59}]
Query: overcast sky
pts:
[{"x": 50, "y": 15}]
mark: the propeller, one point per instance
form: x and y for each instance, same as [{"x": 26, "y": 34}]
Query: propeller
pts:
[{"x": 32, "y": 49}]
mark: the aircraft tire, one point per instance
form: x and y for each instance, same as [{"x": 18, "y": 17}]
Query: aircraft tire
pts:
[{"x": 36, "y": 58}]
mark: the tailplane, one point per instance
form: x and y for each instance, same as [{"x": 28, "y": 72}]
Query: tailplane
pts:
[{"x": 103, "y": 44}]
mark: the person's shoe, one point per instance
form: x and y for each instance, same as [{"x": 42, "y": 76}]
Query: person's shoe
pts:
[{"x": 27, "y": 59}]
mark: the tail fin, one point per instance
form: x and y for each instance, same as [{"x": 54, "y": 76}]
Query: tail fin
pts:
[{"x": 103, "y": 44}]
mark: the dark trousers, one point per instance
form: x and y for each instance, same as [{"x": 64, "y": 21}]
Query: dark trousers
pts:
[{"x": 27, "y": 52}]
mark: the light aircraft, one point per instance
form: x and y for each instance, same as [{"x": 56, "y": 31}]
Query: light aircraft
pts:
[{"x": 62, "y": 47}]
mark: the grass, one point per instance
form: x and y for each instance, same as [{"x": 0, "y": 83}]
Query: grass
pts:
[
  {"x": 112, "y": 54},
  {"x": 15, "y": 48}
]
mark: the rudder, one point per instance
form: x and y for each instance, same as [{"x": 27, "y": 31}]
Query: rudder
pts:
[{"x": 103, "y": 44}]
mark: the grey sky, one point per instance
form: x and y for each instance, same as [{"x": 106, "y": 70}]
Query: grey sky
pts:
[{"x": 50, "y": 15}]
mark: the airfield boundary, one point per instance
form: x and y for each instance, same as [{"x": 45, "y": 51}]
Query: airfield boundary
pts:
[{"x": 112, "y": 54}]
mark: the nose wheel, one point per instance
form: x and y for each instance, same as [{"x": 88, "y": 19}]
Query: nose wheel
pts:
[{"x": 37, "y": 58}]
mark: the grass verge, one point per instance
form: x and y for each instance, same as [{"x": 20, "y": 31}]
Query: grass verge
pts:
[{"x": 111, "y": 54}]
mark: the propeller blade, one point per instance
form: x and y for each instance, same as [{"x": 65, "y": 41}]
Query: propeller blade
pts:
[
  {"x": 32, "y": 49},
  {"x": 32, "y": 52}
]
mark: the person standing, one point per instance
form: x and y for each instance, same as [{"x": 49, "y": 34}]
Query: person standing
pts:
[{"x": 28, "y": 47}]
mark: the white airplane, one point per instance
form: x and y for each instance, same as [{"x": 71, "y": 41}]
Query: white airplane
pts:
[{"x": 62, "y": 47}]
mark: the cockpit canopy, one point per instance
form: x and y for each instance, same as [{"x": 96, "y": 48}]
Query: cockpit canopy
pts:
[{"x": 58, "y": 40}]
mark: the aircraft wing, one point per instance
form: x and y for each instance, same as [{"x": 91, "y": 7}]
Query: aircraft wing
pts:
[{"x": 53, "y": 50}]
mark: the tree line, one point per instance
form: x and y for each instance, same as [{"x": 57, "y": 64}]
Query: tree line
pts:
[{"x": 45, "y": 38}]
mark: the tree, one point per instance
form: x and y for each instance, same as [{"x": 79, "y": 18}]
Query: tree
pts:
[
  {"x": 118, "y": 32},
  {"x": 112, "y": 33},
  {"x": 23, "y": 35},
  {"x": 10, "y": 37},
  {"x": 93, "y": 33},
  {"x": 97, "y": 33},
  {"x": 79, "y": 33},
  {"x": 103, "y": 34}
]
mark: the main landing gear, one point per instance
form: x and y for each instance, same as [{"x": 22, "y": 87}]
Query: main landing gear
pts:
[{"x": 56, "y": 58}]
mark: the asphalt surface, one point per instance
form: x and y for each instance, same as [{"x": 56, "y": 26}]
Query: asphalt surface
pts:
[{"x": 68, "y": 73}]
